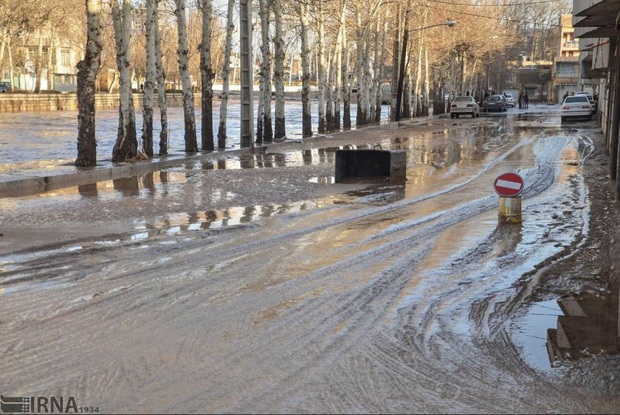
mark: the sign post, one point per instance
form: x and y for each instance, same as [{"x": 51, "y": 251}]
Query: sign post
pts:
[{"x": 509, "y": 186}]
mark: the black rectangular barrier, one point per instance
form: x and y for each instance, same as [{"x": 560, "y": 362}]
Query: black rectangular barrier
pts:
[{"x": 388, "y": 164}]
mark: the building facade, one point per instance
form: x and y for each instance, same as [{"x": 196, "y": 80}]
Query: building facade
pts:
[
  {"x": 565, "y": 73},
  {"x": 41, "y": 56},
  {"x": 596, "y": 25}
]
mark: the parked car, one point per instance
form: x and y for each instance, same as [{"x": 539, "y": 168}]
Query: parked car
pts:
[
  {"x": 590, "y": 98},
  {"x": 5, "y": 87},
  {"x": 495, "y": 103},
  {"x": 510, "y": 101},
  {"x": 464, "y": 105},
  {"x": 576, "y": 106}
]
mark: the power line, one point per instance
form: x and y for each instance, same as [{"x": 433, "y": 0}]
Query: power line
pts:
[
  {"x": 500, "y": 19},
  {"x": 496, "y": 5}
]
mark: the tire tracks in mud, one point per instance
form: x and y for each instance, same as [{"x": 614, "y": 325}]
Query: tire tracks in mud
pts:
[{"x": 332, "y": 322}]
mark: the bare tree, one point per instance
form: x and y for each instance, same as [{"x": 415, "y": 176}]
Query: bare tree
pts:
[
  {"x": 306, "y": 119},
  {"x": 321, "y": 65},
  {"x": 87, "y": 74},
  {"x": 264, "y": 130},
  {"x": 161, "y": 88},
  {"x": 150, "y": 78},
  {"x": 191, "y": 143},
  {"x": 221, "y": 134},
  {"x": 126, "y": 139},
  {"x": 278, "y": 71},
  {"x": 206, "y": 75}
]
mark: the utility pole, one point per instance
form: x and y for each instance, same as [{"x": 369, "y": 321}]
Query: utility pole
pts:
[
  {"x": 247, "y": 74},
  {"x": 393, "y": 107},
  {"x": 401, "y": 70}
]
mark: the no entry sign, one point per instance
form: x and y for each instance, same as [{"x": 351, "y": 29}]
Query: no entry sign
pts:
[{"x": 508, "y": 184}]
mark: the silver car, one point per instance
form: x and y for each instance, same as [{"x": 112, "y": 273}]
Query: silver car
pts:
[
  {"x": 464, "y": 105},
  {"x": 510, "y": 101}
]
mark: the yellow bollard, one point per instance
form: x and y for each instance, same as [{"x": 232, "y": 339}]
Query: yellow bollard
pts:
[{"x": 509, "y": 209}]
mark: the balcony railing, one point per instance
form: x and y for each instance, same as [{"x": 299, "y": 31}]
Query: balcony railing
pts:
[{"x": 570, "y": 44}]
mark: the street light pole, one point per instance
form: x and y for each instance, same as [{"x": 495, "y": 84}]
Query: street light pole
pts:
[
  {"x": 494, "y": 38},
  {"x": 401, "y": 73}
]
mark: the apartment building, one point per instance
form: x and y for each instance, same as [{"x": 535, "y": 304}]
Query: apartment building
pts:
[
  {"x": 565, "y": 72},
  {"x": 31, "y": 59}
]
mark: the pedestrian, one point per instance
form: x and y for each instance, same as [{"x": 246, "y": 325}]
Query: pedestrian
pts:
[
  {"x": 526, "y": 100},
  {"x": 564, "y": 97},
  {"x": 520, "y": 100}
]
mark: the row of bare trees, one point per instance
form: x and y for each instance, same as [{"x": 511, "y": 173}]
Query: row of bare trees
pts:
[{"x": 348, "y": 51}]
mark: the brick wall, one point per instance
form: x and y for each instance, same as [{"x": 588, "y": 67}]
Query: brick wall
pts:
[{"x": 68, "y": 102}]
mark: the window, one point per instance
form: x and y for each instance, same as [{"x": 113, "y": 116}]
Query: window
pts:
[
  {"x": 566, "y": 70},
  {"x": 65, "y": 57},
  {"x": 576, "y": 98}
]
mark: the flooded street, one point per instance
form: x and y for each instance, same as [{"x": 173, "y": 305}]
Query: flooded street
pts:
[{"x": 255, "y": 283}]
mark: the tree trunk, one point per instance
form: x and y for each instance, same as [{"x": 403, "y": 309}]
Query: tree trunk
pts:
[
  {"x": 346, "y": 80},
  {"x": 206, "y": 76},
  {"x": 3, "y": 38},
  {"x": 11, "y": 72},
  {"x": 221, "y": 134},
  {"x": 395, "y": 54},
  {"x": 278, "y": 72},
  {"x": 359, "y": 72},
  {"x": 260, "y": 117},
  {"x": 338, "y": 75},
  {"x": 191, "y": 143},
  {"x": 329, "y": 94},
  {"x": 126, "y": 140},
  {"x": 426, "y": 81},
  {"x": 380, "y": 71},
  {"x": 161, "y": 88},
  {"x": 150, "y": 80},
  {"x": 417, "y": 88},
  {"x": 50, "y": 62},
  {"x": 402, "y": 68},
  {"x": 264, "y": 129},
  {"x": 321, "y": 68},
  {"x": 406, "y": 98},
  {"x": 87, "y": 74},
  {"x": 37, "y": 65},
  {"x": 306, "y": 120}
]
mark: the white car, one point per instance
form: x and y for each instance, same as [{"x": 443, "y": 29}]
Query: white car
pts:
[
  {"x": 576, "y": 106},
  {"x": 464, "y": 105},
  {"x": 590, "y": 98},
  {"x": 510, "y": 101}
]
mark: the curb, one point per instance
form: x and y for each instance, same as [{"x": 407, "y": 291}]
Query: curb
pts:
[{"x": 33, "y": 185}]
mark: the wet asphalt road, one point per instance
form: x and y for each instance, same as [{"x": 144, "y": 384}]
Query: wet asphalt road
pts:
[{"x": 257, "y": 284}]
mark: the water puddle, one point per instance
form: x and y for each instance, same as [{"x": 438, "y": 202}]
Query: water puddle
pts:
[
  {"x": 555, "y": 333},
  {"x": 133, "y": 186},
  {"x": 323, "y": 180}
]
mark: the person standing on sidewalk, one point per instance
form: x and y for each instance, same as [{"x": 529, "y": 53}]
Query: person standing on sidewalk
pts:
[
  {"x": 526, "y": 100},
  {"x": 520, "y": 100}
]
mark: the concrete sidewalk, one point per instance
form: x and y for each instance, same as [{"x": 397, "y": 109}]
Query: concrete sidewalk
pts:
[{"x": 38, "y": 177}]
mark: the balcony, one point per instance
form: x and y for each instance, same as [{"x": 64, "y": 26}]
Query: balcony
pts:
[
  {"x": 574, "y": 59},
  {"x": 570, "y": 44}
]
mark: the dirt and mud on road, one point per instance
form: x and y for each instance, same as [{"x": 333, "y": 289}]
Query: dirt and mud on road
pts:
[{"x": 257, "y": 284}]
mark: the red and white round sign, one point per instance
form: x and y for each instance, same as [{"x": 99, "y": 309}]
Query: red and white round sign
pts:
[{"x": 508, "y": 184}]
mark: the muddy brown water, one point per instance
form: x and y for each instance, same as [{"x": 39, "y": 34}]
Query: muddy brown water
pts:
[{"x": 255, "y": 286}]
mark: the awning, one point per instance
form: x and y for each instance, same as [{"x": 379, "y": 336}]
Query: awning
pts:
[{"x": 601, "y": 17}]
